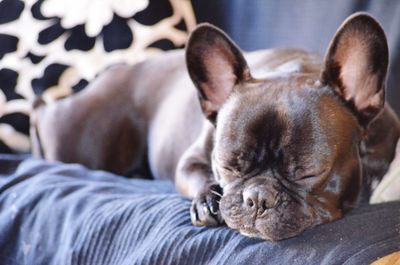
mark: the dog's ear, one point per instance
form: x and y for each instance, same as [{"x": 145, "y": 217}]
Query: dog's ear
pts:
[
  {"x": 215, "y": 65},
  {"x": 356, "y": 65}
]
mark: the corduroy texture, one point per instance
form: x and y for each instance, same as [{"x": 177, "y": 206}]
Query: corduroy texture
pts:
[{"x": 52, "y": 213}]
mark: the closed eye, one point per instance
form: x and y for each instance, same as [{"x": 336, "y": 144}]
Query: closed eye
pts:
[
  {"x": 309, "y": 177},
  {"x": 230, "y": 172},
  {"x": 306, "y": 177},
  {"x": 228, "y": 169},
  {"x": 306, "y": 180}
]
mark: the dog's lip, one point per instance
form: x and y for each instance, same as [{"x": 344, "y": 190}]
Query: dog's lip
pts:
[
  {"x": 255, "y": 232},
  {"x": 253, "y": 228},
  {"x": 252, "y": 233}
]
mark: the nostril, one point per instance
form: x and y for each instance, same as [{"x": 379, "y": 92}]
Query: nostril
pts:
[
  {"x": 266, "y": 204},
  {"x": 263, "y": 205},
  {"x": 250, "y": 198},
  {"x": 259, "y": 198},
  {"x": 250, "y": 202}
]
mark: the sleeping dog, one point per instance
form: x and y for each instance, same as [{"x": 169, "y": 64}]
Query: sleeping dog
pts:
[{"x": 271, "y": 142}]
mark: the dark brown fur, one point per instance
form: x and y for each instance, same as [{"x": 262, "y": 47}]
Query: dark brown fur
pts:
[{"x": 271, "y": 143}]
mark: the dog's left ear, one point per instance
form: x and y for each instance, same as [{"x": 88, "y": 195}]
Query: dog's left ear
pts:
[
  {"x": 215, "y": 65},
  {"x": 356, "y": 65}
]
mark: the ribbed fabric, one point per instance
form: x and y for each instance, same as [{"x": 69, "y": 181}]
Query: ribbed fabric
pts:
[{"x": 52, "y": 213}]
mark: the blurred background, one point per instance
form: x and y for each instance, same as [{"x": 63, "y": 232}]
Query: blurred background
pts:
[{"x": 53, "y": 48}]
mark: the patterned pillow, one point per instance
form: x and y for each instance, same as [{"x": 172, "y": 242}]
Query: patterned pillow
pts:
[{"x": 54, "y": 48}]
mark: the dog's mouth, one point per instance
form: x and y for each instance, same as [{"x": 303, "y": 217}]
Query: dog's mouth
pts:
[{"x": 286, "y": 219}]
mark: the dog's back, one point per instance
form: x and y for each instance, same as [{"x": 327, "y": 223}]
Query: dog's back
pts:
[{"x": 114, "y": 122}]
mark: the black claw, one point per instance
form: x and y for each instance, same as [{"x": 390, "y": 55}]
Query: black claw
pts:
[
  {"x": 205, "y": 208},
  {"x": 215, "y": 188},
  {"x": 212, "y": 202}
]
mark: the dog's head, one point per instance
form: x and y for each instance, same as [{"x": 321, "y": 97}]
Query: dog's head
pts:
[{"x": 287, "y": 149}]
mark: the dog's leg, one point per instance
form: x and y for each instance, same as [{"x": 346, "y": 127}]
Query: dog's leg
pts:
[
  {"x": 194, "y": 178},
  {"x": 36, "y": 143},
  {"x": 98, "y": 127}
]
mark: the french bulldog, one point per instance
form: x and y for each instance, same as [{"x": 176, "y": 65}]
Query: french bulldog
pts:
[{"x": 271, "y": 143}]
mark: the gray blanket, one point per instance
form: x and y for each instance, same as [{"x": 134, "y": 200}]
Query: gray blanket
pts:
[{"x": 52, "y": 213}]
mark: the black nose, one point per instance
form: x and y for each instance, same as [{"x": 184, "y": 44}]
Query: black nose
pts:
[{"x": 258, "y": 198}]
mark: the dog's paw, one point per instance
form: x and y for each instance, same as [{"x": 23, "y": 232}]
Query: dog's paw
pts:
[{"x": 205, "y": 207}]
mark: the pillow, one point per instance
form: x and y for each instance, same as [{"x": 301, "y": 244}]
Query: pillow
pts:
[{"x": 53, "y": 48}]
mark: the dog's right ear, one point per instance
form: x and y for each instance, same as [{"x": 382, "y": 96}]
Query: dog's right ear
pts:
[
  {"x": 356, "y": 66},
  {"x": 215, "y": 65}
]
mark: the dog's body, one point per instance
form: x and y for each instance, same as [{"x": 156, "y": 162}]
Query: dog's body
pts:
[
  {"x": 286, "y": 143},
  {"x": 148, "y": 112}
]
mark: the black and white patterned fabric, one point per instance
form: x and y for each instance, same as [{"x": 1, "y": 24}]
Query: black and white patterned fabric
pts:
[{"x": 53, "y": 48}]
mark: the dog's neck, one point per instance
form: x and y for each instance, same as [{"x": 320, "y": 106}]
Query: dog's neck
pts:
[{"x": 375, "y": 150}]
